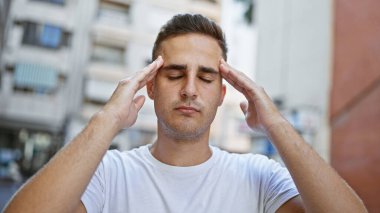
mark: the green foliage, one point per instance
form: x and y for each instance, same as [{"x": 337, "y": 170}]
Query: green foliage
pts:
[{"x": 248, "y": 13}]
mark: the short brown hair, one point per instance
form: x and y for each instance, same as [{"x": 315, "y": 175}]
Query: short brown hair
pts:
[{"x": 188, "y": 23}]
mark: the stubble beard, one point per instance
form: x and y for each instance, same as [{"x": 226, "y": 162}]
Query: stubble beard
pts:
[
  {"x": 186, "y": 131},
  {"x": 181, "y": 133}
]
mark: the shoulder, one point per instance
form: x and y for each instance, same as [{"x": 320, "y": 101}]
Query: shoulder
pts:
[
  {"x": 252, "y": 160},
  {"x": 116, "y": 158},
  {"x": 257, "y": 167}
]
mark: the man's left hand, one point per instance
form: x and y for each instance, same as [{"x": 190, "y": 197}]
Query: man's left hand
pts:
[{"x": 259, "y": 110}]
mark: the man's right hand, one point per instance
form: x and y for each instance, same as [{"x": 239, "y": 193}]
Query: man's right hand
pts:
[
  {"x": 123, "y": 106},
  {"x": 59, "y": 185}
]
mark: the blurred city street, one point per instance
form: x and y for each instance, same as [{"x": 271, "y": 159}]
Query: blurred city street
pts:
[{"x": 61, "y": 60}]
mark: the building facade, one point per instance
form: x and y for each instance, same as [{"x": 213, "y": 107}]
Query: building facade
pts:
[{"x": 41, "y": 70}]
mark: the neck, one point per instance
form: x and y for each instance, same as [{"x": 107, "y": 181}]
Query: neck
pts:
[{"x": 176, "y": 152}]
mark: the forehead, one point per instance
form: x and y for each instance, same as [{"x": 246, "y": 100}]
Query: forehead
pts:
[{"x": 195, "y": 48}]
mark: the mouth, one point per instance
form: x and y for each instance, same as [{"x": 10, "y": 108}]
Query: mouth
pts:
[{"x": 187, "y": 109}]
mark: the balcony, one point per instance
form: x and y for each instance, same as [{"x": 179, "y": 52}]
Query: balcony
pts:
[
  {"x": 35, "y": 43},
  {"x": 119, "y": 35},
  {"x": 99, "y": 91},
  {"x": 33, "y": 110},
  {"x": 42, "y": 12},
  {"x": 32, "y": 97},
  {"x": 106, "y": 72},
  {"x": 54, "y": 58},
  {"x": 110, "y": 35},
  {"x": 211, "y": 9}
]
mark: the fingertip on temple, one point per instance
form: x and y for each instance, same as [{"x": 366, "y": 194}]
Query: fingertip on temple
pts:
[
  {"x": 159, "y": 61},
  {"x": 223, "y": 67}
]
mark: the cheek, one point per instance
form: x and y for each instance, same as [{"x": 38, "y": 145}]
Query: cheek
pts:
[
  {"x": 164, "y": 90},
  {"x": 217, "y": 96},
  {"x": 163, "y": 95},
  {"x": 211, "y": 90},
  {"x": 159, "y": 86}
]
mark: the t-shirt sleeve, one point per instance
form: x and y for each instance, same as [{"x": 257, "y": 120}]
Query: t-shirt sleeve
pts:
[
  {"x": 276, "y": 184},
  {"x": 94, "y": 196}
]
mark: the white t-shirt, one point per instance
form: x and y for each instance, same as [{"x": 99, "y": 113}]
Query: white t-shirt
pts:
[{"x": 135, "y": 181}]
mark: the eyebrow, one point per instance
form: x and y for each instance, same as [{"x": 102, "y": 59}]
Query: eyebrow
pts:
[
  {"x": 180, "y": 67},
  {"x": 208, "y": 70},
  {"x": 183, "y": 67}
]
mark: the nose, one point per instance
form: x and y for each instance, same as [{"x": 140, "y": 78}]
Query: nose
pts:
[{"x": 189, "y": 89}]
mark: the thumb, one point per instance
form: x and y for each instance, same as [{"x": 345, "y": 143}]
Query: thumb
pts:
[
  {"x": 244, "y": 107},
  {"x": 139, "y": 102}
]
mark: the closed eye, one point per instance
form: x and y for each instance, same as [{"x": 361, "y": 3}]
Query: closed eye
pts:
[
  {"x": 174, "y": 77},
  {"x": 206, "y": 80}
]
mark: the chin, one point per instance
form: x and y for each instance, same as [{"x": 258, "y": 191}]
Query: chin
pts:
[{"x": 184, "y": 132}]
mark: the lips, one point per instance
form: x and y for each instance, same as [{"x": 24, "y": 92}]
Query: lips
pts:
[{"x": 187, "y": 109}]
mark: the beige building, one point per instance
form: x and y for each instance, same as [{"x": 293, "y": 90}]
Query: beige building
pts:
[
  {"x": 41, "y": 75},
  {"x": 122, "y": 37},
  {"x": 101, "y": 42},
  {"x": 42, "y": 62}
]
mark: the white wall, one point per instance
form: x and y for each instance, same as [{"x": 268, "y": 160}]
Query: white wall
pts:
[
  {"x": 241, "y": 40},
  {"x": 294, "y": 56}
]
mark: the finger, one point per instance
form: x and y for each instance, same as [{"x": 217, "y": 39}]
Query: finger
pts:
[
  {"x": 139, "y": 77},
  {"x": 232, "y": 79},
  {"x": 231, "y": 75},
  {"x": 150, "y": 70},
  {"x": 148, "y": 73},
  {"x": 155, "y": 64},
  {"x": 235, "y": 76},
  {"x": 139, "y": 102},
  {"x": 239, "y": 80},
  {"x": 129, "y": 86},
  {"x": 224, "y": 71},
  {"x": 244, "y": 107}
]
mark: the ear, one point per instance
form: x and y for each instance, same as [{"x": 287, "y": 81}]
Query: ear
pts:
[
  {"x": 223, "y": 93},
  {"x": 150, "y": 88}
]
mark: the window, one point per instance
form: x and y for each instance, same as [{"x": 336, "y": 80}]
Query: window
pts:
[
  {"x": 114, "y": 13},
  {"x": 48, "y": 36},
  {"x": 58, "y": 2},
  {"x": 35, "y": 78},
  {"x": 107, "y": 54}
]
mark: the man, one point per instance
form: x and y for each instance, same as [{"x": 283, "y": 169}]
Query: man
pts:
[{"x": 180, "y": 172}]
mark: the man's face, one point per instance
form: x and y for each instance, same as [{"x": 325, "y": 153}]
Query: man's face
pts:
[{"x": 188, "y": 88}]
